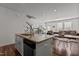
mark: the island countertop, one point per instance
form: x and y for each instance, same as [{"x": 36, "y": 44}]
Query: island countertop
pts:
[{"x": 37, "y": 38}]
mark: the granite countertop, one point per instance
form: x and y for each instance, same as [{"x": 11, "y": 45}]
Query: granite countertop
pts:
[
  {"x": 67, "y": 38},
  {"x": 36, "y": 37}
]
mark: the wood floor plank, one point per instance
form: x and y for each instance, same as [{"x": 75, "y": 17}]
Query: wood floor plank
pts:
[{"x": 8, "y": 50}]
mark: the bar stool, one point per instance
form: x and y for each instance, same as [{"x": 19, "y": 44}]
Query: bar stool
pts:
[
  {"x": 60, "y": 47},
  {"x": 68, "y": 48},
  {"x": 74, "y": 48}
]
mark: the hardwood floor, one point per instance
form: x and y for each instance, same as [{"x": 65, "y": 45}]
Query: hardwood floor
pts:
[{"x": 8, "y": 50}]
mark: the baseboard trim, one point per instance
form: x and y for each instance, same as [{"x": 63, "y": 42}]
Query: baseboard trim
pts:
[{"x": 8, "y": 45}]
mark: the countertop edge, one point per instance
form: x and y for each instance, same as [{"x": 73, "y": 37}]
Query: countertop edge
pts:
[{"x": 19, "y": 34}]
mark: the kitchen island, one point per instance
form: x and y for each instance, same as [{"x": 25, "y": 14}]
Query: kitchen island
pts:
[{"x": 34, "y": 45}]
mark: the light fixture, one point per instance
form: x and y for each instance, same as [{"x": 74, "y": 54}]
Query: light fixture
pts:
[
  {"x": 30, "y": 17},
  {"x": 54, "y": 10}
]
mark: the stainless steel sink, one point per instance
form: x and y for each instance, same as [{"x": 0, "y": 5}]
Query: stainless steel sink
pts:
[
  {"x": 60, "y": 36},
  {"x": 26, "y": 34}
]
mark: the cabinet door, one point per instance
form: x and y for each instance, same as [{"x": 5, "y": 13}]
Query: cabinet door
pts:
[
  {"x": 19, "y": 44},
  {"x": 44, "y": 48},
  {"x": 59, "y": 26},
  {"x": 68, "y": 25}
]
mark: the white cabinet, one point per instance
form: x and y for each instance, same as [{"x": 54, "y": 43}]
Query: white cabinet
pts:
[
  {"x": 19, "y": 44},
  {"x": 68, "y": 25},
  {"x": 59, "y": 26},
  {"x": 44, "y": 48}
]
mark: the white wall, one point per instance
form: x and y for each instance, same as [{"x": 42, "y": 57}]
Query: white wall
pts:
[{"x": 10, "y": 23}]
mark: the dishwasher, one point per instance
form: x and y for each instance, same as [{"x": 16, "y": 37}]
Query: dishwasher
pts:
[{"x": 29, "y": 48}]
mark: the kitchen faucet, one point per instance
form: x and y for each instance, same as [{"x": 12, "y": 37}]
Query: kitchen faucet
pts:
[
  {"x": 30, "y": 17},
  {"x": 31, "y": 29}
]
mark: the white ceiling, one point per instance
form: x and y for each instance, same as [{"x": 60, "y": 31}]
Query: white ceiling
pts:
[{"x": 45, "y": 11}]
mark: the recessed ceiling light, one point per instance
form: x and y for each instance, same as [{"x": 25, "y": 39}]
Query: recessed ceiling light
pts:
[{"x": 54, "y": 10}]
